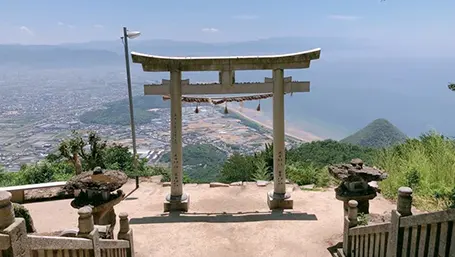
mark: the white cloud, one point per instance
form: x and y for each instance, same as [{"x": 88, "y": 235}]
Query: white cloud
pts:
[
  {"x": 98, "y": 26},
  {"x": 245, "y": 17},
  {"x": 66, "y": 25},
  {"x": 343, "y": 17},
  {"x": 26, "y": 30},
  {"x": 210, "y": 30}
]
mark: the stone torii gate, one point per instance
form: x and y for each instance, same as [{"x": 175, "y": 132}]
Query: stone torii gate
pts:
[{"x": 178, "y": 200}]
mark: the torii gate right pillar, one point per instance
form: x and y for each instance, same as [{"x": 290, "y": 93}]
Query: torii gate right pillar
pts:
[{"x": 279, "y": 198}]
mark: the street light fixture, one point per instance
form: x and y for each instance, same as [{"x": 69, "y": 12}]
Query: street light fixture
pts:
[{"x": 131, "y": 35}]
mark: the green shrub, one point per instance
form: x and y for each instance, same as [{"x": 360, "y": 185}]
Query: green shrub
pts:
[
  {"x": 304, "y": 174},
  {"x": 425, "y": 164},
  {"x": 262, "y": 171}
]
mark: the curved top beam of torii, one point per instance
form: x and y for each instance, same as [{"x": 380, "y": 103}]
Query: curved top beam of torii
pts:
[{"x": 157, "y": 63}]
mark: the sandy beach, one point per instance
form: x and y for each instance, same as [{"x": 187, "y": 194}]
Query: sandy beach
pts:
[{"x": 263, "y": 120}]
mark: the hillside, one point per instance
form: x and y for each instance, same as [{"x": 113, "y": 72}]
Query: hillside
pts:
[
  {"x": 378, "y": 134},
  {"x": 202, "y": 162},
  {"x": 117, "y": 113}
]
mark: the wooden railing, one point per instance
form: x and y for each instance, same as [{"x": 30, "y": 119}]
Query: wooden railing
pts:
[
  {"x": 15, "y": 242},
  {"x": 422, "y": 235}
]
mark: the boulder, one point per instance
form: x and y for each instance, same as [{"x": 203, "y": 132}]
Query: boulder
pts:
[
  {"x": 262, "y": 183},
  {"x": 166, "y": 184},
  {"x": 310, "y": 186},
  {"x": 218, "y": 184}
]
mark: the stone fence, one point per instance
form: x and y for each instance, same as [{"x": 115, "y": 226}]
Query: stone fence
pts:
[{"x": 15, "y": 242}]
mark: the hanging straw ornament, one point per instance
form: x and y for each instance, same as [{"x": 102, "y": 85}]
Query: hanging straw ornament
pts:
[
  {"x": 225, "y": 108},
  {"x": 197, "y": 109},
  {"x": 259, "y": 106}
]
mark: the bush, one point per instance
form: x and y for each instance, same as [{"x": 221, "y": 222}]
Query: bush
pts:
[
  {"x": 304, "y": 174},
  {"x": 262, "y": 171},
  {"x": 425, "y": 164}
]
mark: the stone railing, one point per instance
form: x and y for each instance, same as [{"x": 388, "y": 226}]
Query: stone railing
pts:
[
  {"x": 429, "y": 234},
  {"x": 15, "y": 242}
]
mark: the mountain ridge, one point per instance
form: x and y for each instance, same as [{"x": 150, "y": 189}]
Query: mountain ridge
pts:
[{"x": 379, "y": 133}]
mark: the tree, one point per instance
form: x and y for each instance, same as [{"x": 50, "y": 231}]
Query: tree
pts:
[
  {"x": 451, "y": 86},
  {"x": 70, "y": 149},
  {"x": 238, "y": 168},
  {"x": 94, "y": 158},
  {"x": 262, "y": 170}
]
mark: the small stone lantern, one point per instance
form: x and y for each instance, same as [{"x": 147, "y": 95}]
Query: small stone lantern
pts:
[
  {"x": 354, "y": 186},
  {"x": 98, "y": 189}
]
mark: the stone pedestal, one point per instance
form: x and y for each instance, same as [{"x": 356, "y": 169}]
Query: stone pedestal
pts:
[
  {"x": 362, "y": 200},
  {"x": 177, "y": 203},
  {"x": 279, "y": 201}
]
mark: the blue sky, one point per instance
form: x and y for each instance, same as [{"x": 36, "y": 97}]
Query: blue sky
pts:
[{"x": 424, "y": 23}]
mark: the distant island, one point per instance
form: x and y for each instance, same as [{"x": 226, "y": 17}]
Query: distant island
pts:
[
  {"x": 378, "y": 134},
  {"x": 117, "y": 113}
]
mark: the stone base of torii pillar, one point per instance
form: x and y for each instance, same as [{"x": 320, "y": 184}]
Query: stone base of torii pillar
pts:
[
  {"x": 279, "y": 201},
  {"x": 177, "y": 203}
]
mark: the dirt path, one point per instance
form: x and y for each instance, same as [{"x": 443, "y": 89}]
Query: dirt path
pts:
[{"x": 314, "y": 225}]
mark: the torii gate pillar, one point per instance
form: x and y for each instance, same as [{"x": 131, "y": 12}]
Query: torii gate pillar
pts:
[
  {"x": 177, "y": 200},
  {"x": 279, "y": 198}
]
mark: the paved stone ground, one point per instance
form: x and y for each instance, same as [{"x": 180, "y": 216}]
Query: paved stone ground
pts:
[{"x": 232, "y": 221}]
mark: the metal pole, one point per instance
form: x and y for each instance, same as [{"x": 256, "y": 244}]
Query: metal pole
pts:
[{"x": 130, "y": 98}]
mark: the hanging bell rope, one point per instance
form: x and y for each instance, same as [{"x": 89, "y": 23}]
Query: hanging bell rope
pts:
[
  {"x": 221, "y": 100},
  {"x": 197, "y": 109},
  {"x": 225, "y": 108}
]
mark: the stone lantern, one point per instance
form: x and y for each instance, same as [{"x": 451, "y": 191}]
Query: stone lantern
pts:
[
  {"x": 99, "y": 189},
  {"x": 355, "y": 179}
]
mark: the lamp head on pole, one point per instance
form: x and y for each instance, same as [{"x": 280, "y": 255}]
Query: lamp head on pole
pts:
[{"x": 133, "y": 34}]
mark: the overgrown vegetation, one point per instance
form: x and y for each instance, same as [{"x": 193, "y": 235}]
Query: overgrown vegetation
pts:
[
  {"x": 78, "y": 152},
  {"x": 426, "y": 165},
  {"x": 202, "y": 162}
]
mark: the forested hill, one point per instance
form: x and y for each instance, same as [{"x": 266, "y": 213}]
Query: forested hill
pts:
[
  {"x": 378, "y": 134},
  {"x": 117, "y": 113}
]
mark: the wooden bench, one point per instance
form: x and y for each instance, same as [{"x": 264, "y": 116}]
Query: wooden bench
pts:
[{"x": 18, "y": 192}]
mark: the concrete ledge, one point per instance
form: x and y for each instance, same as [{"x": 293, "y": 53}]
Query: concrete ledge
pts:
[
  {"x": 279, "y": 203},
  {"x": 177, "y": 205}
]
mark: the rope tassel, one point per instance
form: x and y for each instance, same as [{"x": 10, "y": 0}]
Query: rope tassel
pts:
[
  {"x": 259, "y": 107},
  {"x": 197, "y": 109},
  {"x": 225, "y": 109}
]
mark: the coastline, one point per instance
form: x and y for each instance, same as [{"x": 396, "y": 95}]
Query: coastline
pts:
[{"x": 262, "y": 120}]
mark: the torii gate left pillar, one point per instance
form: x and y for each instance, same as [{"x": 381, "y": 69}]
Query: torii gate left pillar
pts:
[{"x": 178, "y": 200}]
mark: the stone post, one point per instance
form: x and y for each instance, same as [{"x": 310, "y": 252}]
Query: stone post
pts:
[
  {"x": 85, "y": 222},
  {"x": 14, "y": 228},
  {"x": 352, "y": 213},
  {"x": 87, "y": 229},
  {"x": 404, "y": 202},
  {"x": 176, "y": 200},
  {"x": 6, "y": 210},
  {"x": 279, "y": 199},
  {"x": 124, "y": 225},
  {"x": 349, "y": 221},
  {"x": 125, "y": 233}
]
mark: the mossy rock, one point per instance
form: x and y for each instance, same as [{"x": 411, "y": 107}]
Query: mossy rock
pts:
[{"x": 21, "y": 212}]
